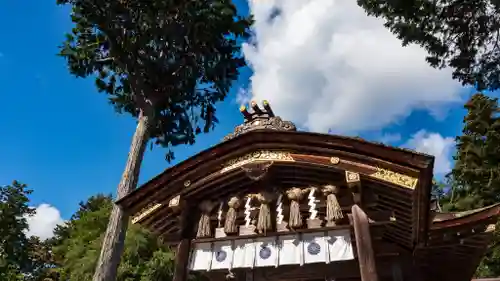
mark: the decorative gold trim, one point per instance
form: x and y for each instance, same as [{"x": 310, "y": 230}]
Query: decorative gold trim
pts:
[
  {"x": 351, "y": 177},
  {"x": 174, "y": 202},
  {"x": 257, "y": 156},
  {"x": 146, "y": 212},
  {"x": 490, "y": 228},
  {"x": 283, "y": 156},
  {"x": 257, "y": 171},
  {"x": 395, "y": 178},
  {"x": 334, "y": 160}
]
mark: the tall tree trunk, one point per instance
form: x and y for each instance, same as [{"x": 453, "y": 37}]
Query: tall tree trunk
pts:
[{"x": 112, "y": 246}]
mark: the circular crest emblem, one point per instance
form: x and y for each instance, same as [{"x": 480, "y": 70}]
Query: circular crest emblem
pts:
[
  {"x": 220, "y": 256},
  {"x": 265, "y": 253},
  {"x": 335, "y": 160},
  {"x": 313, "y": 248}
]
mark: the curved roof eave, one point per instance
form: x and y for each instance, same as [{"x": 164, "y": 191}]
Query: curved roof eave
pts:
[
  {"x": 401, "y": 156},
  {"x": 447, "y": 220}
]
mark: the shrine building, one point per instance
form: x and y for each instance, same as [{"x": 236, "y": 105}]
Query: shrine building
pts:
[{"x": 270, "y": 203}]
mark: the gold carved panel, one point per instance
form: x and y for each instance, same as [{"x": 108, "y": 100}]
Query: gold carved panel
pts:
[
  {"x": 258, "y": 156},
  {"x": 395, "y": 178},
  {"x": 283, "y": 156},
  {"x": 145, "y": 212}
]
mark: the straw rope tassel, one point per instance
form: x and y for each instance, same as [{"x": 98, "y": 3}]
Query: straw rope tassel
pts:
[
  {"x": 204, "y": 223},
  {"x": 294, "y": 194},
  {"x": 333, "y": 209},
  {"x": 264, "y": 219},
  {"x": 230, "y": 223}
]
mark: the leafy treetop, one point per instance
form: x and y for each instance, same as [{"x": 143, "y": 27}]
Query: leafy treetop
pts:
[
  {"x": 475, "y": 177},
  {"x": 77, "y": 244},
  {"x": 171, "y": 60},
  {"x": 476, "y": 173},
  {"x": 14, "y": 209},
  {"x": 463, "y": 35}
]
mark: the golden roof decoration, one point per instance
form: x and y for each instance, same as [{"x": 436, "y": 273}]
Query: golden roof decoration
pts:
[{"x": 260, "y": 119}]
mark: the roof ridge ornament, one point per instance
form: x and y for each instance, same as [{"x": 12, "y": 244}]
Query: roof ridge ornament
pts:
[{"x": 260, "y": 119}]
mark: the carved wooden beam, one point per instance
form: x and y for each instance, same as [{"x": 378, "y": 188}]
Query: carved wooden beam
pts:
[{"x": 258, "y": 170}]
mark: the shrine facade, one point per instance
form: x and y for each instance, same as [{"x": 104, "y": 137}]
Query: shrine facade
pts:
[{"x": 270, "y": 203}]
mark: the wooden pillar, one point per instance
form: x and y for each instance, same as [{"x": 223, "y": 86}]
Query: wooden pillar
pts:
[
  {"x": 249, "y": 275},
  {"x": 366, "y": 257},
  {"x": 397, "y": 272},
  {"x": 184, "y": 247}
]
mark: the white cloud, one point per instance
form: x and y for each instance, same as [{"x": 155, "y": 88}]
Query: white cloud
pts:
[
  {"x": 389, "y": 138},
  {"x": 243, "y": 96},
  {"x": 43, "y": 222},
  {"x": 434, "y": 144},
  {"x": 325, "y": 64}
]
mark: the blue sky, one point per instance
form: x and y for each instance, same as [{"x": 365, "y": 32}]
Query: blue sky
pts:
[
  {"x": 58, "y": 134},
  {"x": 62, "y": 138}
]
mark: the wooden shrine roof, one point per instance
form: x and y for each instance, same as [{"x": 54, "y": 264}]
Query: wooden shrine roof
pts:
[
  {"x": 457, "y": 243},
  {"x": 462, "y": 224},
  {"x": 200, "y": 176},
  {"x": 450, "y": 217},
  {"x": 263, "y": 130},
  {"x": 177, "y": 176},
  {"x": 401, "y": 179}
]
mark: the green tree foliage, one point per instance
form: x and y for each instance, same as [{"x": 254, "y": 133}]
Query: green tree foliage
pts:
[
  {"x": 77, "y": 246},
  {"x": 438, "y": 190},
  {"x": 41, "y": 261},
  {"x": 462, "y": 35},
  {"x": 441, "y": 191},
  {"x": 164, "y": 62},
  {"x": 475, "y": 178},
  {"x": 14, "y": 246},
  {"x": 21, "y": 257},
  {"x": 476, "y": 174},
  {"x": 72, "y": 253},
  {"x": 93, "y": 204},
  {"x": 171, "y": 60}
]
